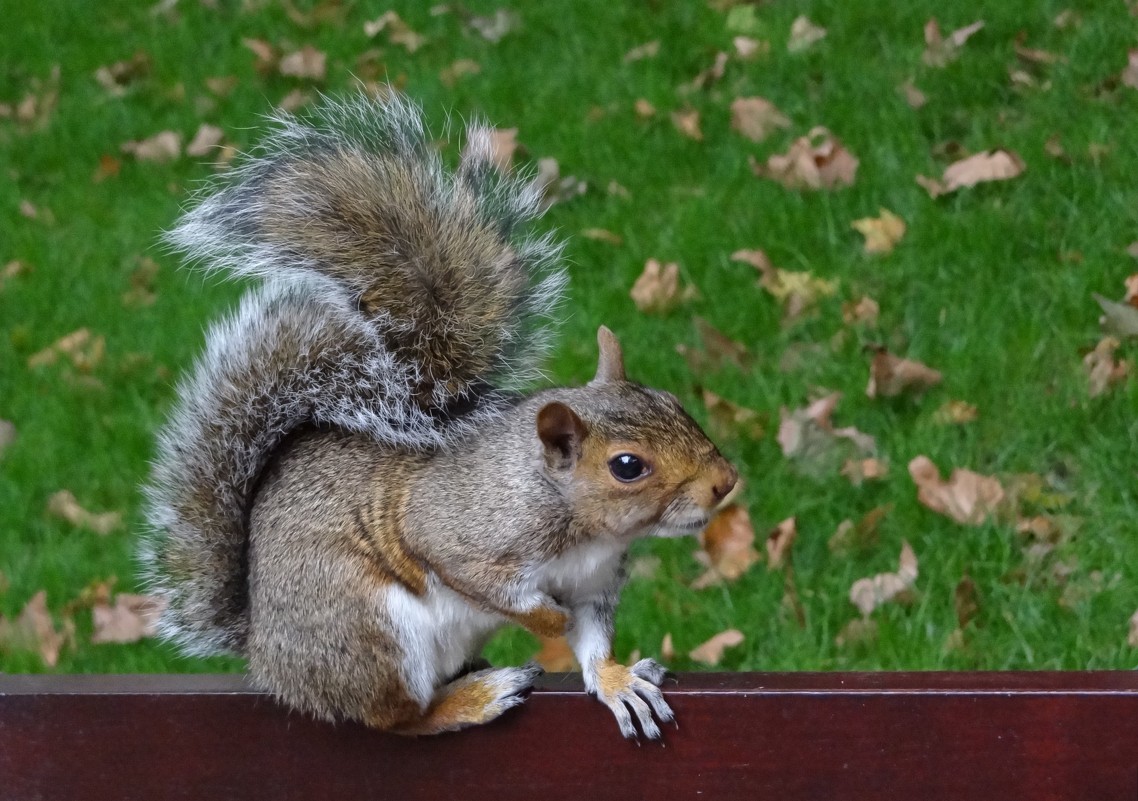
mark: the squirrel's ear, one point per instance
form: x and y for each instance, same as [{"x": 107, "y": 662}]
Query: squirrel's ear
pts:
[
  {"x": 561, "y": 432},
  {"x": 610, "y": 366}
]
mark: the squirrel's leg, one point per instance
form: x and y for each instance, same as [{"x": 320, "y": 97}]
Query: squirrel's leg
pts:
[
  {"x": 626, "y": 691},
  {"x": 472, "y": 699}
]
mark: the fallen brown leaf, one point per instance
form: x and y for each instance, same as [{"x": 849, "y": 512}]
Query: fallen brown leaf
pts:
[
  {"x": 10, "y": 271},
  {"x": 727, "y": 548},
  {"x": 1132, "y": 639},
  {"x": 1103, "y": 370},
  {"x": 891, "y": 375},
  {"x": 556, "y": 656},
  {"x": 83, "y": 350},
  {"x": 941, "y": 51},
  {"x": 965, "y": 600},
  {"x": 858, "y": 471},
  {"x": 116, "y": 78},
  {"x": 65, "y": 506},
  {"x": 657, "y": 289},
  {"x": 728, "y": 421},
  {"x": 307, "y": 63},
  {"x": 129, "y": 620},
  {"x": 881, "y": 233},
  {"x": 687, "y": 123},
  {"x": 109, "y": 167},
  {"x": 859, "y": 631},
  {"x": 34, "y": 630},
  {"x": 756, "y": 118},
  {"x": 7, "y": 435},
  {"x": 449, "y": 76},
  {"x": 810, "y": 441},
  {"x": 955, "y": 412},
  {"x": 815, "y": 161},
  {"x": 863, "y": 311},
  {"x": 991, "y": 165},
  {"x": 398, "y": 32},
  {"x": 779, "y": 541},
  {"x": 1131, "y": 298},
  {"x": 711, "y": 652},
  {"x": 602, "y": 235},
  {"x": 641, "y": 52},
  {"x": 803, "y": 35},
  {"x": 1129, "y": 75},
  {"x": 644, "y": 109},
  {"x": 869, "y": 593},
  {"x": 748, "y": 49},
  {"x": 494, "y": 28},
  {"x": 206, "y": 139},
  {"x": 913, "y": 96},
  {"x": 862, "y": 535},
  {"x": 667, "y": 649},
  {"x": 708, "y": 76},
  {"x": 1119, "y": 319},
  {"x": 717, "y": 349},
  {"x": 265, "y": 54},
  {"x": 141, "y": 292},
  {"x": 163, "y": 147},
  {"x": 967, "y": 497}
]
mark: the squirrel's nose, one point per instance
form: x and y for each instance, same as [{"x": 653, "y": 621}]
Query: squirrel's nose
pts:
[{"x": 726, "y": 484}]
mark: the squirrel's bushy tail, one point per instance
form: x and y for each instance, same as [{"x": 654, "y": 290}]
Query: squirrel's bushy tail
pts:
[{"x": 398, "y": 300}]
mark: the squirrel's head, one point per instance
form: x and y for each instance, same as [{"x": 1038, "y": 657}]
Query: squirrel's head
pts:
[{"x": 630, "y": 459}]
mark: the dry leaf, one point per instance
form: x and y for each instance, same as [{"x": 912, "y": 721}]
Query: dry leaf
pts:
[
  {"x": 727, "y": 421},
  {"x": 397, "y": 31},
  {"x": 556, "y": 656},
  {"x": 955, "y": 412},
  {"x": 966, "y": 601},
  {"x": 711, "y": 652},
  {"x": 815, "y": 161},
  {"x": 939, "y": 51},
  {"x": 779, "y": 541},
  {"x": 109, "y": 167},
  {"x": 881, "y": 233},
  {"x": 1129, "y": 76},
  {"x": 35, "y": 110},
  {"x": 687, "y": 123},
  {"x": 803, "y": 34},
  {"x": 859, "y": 536},
  {"x": 858, "y": 471},
  {"x": 727, "y": 547},
  {"x": 266, "y": 55},
  {"x": 859, "y": 631},
  {"x": 890, "y": 375},
  {"x": 206, "y": 139},
  {"x": 708, "y": 76},
  {"x": 991, "y": 165},
  {"x": 221, "y": 85},
  {"x": 756, "y": 258},
  {"x": 120, "y": 75},
  {"x": 1103, "y": 371},
  {"x": 644, "y": 109},
  {"x": 83, "y": 350},
  {"x": 667, "y": 649},
  {"x": 163, "y": 147},
  {"x": 657, "y": 289},
  {"x": 449, "y": 76},
  {"x": 503, "y": 144},
  {"x": 797, "y": 291},
  {"x": 1119, "y": 319},
  {"x": 1067, "y": 19},
  {"x": 602, "y": 235},
  {"x": 864, "y": 311},
  {"x": 494, "y": 28},
  {"x": 129, "y": 620},
  {"x": 809, "y": 440},
  {"x": 7, "y": 435},
  {"x": 65, "y": 506},
  {"x": 1131, "y": 297},
  {"x": 967, "y": 497},
  {"x": 913, "y": 96},
  {"x": 34, "y": 630},
  {"x": 869, "y": 593},
  {"x": 748, "y": 49},
  {"x": 307, "y": 63},
  {"x": 1132, "y": 639},
  {"x": 641, "y": 52},
  {"x": 141, "y": 292},
  {"x": 756, "y": 118}
]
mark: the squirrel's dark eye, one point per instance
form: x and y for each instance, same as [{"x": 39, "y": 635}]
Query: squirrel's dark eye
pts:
[{"x": 626, "y": 467}]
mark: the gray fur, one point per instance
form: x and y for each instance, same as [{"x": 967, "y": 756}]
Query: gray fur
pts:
[{"x": 397, "y": 302}]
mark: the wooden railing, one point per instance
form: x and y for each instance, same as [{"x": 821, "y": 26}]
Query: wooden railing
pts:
[{"x": 783, "y": 737}]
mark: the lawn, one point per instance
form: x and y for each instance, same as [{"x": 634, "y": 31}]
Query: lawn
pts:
[{"x": 992, "y": 285}]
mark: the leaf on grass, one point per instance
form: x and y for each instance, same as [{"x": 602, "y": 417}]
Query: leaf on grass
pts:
[
  {"x": 130, "y": 619},
  {"x": 913, "y": 96},
  {"x": 398, "y": 32},
  {"x": 1131, "y": 297},
  {"x": 108, "y": 167},
  {"x": 707, "y": 77},
  {"x": 11, "y": 270},
  {"x": 35, "y": 109},
  {"x": 941, "y": 51},
  {"x": 1129, "y": 75},
  {"x": 141, "y": 292},
  {"x": 863, "y": 311},
  {"x": 206, "y": 139},
  {"x": 116, "y": 78},
  {"x": 1103, "y": 371},
  {"x": 967, "y": 497},
  {"x": 641, "y": 52},
  {"x": 813, "y": 445},
  {"x": 729, "y": 421},
  {"x": 1119, "y": 319},
  {"x": 859, "y": 536},
  {"x": 163, "y": 147},
  {"x": 687, "y": 123},
  {"x": 34, "y": 630},
  {"x": 644, "y": 110},
  {"x": 803, "y": 35},
  {"x": 815, "y": 161},
  {"x": 966, "y": 601},
  {"x": 858, "y": 471},
  {"x": 556, "y": 656},
  {"x": 667, "y": 648},
  {"x": 711, "y": 652},
  {"x": 779, "y": 541},
  {"x": 83, "y": 350},
  {"x": 881, "y": 233},
  {"x": 756, "y": 118},
  {"x": 859, "y": 631},
  {"x": 869, "y": 593},
  {"x": 955, "y": 412},
  {"x": 726, "y": 548},
  {"x": 7, "y": 435},
  {"x": 307, "y": 63},
  {"x": 796, "y": 291},
  {"x": 449, "y": 76},
  {"x": 503, "y": 145},
  {"x": 64, "y": 506},
  {"x": 1132, "y": 639},
  {"x": 657, "y": 289},
  {"x": 265, "y": 54},
  {"x": 890, "y": 376},
  {"x": 748, "y": 49},
  {"x": 495, "y": 27},
  {"x": 991, "y": 165}
]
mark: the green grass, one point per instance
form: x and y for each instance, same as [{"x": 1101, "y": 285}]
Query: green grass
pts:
[{"x": 990, "y": 285}]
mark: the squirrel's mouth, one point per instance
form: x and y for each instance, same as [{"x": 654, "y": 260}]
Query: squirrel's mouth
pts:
[{"x": 680, "y": 528}]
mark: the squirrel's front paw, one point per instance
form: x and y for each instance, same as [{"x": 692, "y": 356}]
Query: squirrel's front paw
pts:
[{"x": 635, "y": 688}]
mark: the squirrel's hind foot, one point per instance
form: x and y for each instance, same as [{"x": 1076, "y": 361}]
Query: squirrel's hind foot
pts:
[{"x": 474, "y": 698}]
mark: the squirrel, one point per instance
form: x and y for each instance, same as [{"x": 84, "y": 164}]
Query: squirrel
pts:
[{"x": 352, "y": 491}]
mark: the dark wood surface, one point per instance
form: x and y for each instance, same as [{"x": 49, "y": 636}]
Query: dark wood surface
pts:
[{"x": 783, "y": 737}]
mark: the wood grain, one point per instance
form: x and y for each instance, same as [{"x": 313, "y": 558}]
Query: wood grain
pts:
[{"x": 784, "y": 737}]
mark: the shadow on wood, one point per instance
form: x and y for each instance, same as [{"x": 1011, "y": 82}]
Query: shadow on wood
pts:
[{"x": 782, "y": 737}]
